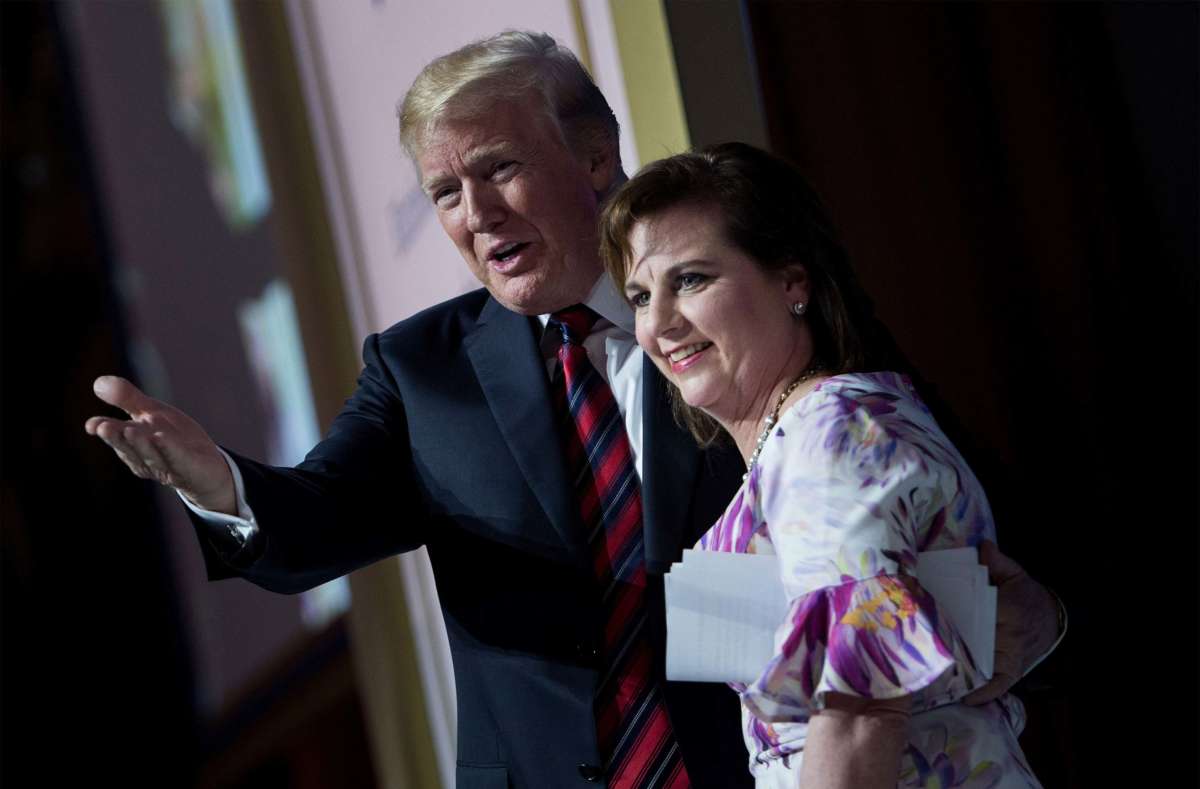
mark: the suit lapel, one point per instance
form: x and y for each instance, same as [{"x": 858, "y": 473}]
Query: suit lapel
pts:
[
  {"x": 504, "y": 352},
  {"x": 670, "y": 463}
]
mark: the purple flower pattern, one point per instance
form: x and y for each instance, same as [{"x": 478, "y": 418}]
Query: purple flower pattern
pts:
[{"x": 855, "y": 480}]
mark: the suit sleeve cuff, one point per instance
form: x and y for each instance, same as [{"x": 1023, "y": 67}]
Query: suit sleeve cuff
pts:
[{"x": 229, "y": 535}]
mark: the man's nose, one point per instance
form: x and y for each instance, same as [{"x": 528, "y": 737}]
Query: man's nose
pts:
[{"x": 485, "y": 209}]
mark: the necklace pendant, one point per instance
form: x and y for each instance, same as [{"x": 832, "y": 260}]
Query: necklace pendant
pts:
[{"x": 769, "y": 420}]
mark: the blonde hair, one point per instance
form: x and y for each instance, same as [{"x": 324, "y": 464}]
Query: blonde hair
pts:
[{"x": 507, "y": 67}]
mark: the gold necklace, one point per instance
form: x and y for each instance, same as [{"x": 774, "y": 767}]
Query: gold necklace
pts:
[{"x": 769, "y": 422}]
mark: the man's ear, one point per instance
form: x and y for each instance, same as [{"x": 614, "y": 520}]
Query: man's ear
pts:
[{"x": 604, "y": 169}]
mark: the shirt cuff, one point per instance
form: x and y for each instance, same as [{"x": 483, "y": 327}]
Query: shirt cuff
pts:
[
  {"x": 229, "y": 534},
  {"x": 1062, "y": 631}
]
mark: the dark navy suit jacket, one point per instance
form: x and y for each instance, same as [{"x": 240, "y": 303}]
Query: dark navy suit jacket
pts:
[{"x": 449, "y": 442}]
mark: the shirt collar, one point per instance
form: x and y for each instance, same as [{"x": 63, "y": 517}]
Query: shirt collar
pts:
[{"x": 607, "y": 303}]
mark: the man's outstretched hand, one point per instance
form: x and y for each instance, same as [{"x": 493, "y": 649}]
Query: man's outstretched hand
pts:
[
  {"x": 162, "y": 443},
  {"x": 1026, "y": 622}
]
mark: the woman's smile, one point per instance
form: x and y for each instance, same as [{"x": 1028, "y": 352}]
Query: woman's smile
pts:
[
  {"x": 709, "y": 316},
  {"x": 683, "y": 358}
]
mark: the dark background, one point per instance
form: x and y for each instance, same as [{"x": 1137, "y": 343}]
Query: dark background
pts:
[
  {"x": 116, "y": 259},
  {"x": 1017, "y": 184},
  {"x": 96, "y": 673}
]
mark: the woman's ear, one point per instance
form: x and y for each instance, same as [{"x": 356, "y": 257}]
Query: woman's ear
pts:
[{"x": 795, "y": 283}]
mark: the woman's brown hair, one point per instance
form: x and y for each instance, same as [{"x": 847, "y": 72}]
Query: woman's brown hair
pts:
[{"x": 773, "y": 215}]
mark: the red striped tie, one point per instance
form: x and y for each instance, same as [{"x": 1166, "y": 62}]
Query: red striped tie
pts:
[{"x": 631, "y": 716}]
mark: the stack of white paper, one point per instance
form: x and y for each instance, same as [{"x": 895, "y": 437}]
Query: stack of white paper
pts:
[
  {"x": 959, "y": 585},
  {"x": 723, "y": 610}
]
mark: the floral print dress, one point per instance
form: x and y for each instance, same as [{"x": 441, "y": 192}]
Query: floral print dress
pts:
[{"x": 854, "y": 481}]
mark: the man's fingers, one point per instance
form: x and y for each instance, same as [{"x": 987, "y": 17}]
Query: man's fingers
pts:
[
  {"x": 93, "y": 424},
  {"x": 980, "y": 696},
  {"x": 1006, "y": 670},
  {"x": 107, "y": 429},
  {"x": 144, "y": 445},
  {"x": 119, "y": 392},
  {"x": 126, "y": 440},
  {"x": 1000, "y": 567},
  {"x": 128, "y": 456},
  {"x": 994, "y": 689},
  {"x": 164, "y": 444},
  {"x": 134, "y": 464}
]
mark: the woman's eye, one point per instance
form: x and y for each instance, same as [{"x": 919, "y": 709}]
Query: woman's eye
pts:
[
  {"x": 639, "y": 299},
  {"x": 444, "y": 198},
  {"x": 688, "y": 281}
]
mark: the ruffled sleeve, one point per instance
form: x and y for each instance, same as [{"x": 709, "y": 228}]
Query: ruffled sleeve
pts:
[{"x": 846, "y": 500}]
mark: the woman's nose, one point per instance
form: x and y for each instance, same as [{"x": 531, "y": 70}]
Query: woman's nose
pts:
[{"x": 663, "y": 316}]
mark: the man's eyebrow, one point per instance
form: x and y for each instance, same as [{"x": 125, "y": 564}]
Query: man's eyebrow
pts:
[
  {"x": 491, "y": 150},
  {"x": 429, "y": 185},
  {"x": 472, "y": 158}
]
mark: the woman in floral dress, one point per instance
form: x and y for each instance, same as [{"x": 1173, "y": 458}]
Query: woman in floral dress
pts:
[{"x": 746, "y": 302}]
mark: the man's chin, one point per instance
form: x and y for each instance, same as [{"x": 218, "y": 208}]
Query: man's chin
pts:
[
  {"x": 523, "y": 303},
  {"x": 529, "y": 296}
]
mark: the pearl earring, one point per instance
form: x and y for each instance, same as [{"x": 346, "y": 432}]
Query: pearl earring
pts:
[{"x": 799, "y": 308}]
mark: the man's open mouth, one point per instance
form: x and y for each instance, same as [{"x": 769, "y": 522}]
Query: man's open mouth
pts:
[{"x": 509, "y": 251}]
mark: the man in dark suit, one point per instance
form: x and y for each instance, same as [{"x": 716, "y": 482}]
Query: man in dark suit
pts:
[{"x": 457, "y": 430}]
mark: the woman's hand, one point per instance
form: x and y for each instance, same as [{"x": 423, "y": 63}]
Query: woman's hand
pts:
[{"x": 855, "y": 743}]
